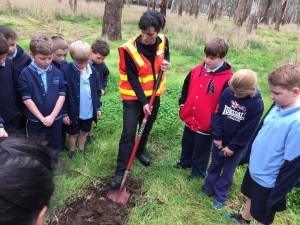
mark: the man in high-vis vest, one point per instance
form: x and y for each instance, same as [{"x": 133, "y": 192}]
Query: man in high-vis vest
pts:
[{"x": 141, "y": 59}]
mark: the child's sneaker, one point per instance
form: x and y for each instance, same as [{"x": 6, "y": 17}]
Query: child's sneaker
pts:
[
  {"x": 237, "y": 219},
  {"x": 82, "y": 152},
  {"x": 217, "y": 205},
  {"x": 90, "y": 139},
  {"x": 72, "y": 154}
]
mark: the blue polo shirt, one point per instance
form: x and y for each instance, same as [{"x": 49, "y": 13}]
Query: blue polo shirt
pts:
[
  {"x": 276, "y": 142},
  {"x": 42, "y": 73}
]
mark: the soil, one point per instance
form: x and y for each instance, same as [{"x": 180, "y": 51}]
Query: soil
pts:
[{"x": 97, "y": 209}]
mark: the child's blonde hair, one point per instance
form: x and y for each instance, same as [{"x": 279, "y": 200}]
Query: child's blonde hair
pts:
[
  {"x": 59, "y": 43},
  {"x": 41, "y": 45},
  {"x": 244, "y": 83},
  {"x": 286, "y": 76},
  {"x": 80, "y": 51}
]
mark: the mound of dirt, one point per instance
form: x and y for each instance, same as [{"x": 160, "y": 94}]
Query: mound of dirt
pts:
[{"x": 97, "y": 209}]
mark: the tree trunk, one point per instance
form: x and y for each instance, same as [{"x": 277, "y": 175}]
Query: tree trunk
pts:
[
  {"x": 73, "y": 5},
  {"x": 221, "y": 9},
  {"x": 196, "y": 13},
  {"x": 264, "y": 18},
  {"x": 163, "y": 7},
  {"x": 192, "y": 6},
  {"x": 240, "y": 14},
  {"x": 148, "y": 4},
  {"x": 154, "y": 4},
  {"x": 212, "y": 10},
  {"x": 280, "y": 14},
  {"x": 180, "y": 7},
  {"x": 111, "y": 28},
  {"x": 173, "y": 6},
  {"x": 253, "y": 16}
]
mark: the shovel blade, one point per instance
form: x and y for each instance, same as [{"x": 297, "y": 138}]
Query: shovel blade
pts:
[{"x": 119, "y": 196}]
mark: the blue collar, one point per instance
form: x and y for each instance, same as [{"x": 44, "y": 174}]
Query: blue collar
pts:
[
  {"x": 285, "y": 112},
  {"x": 38, "y": 69},
  {"x": 88, "y": 70},
  {"x": 215, "y": 69}
]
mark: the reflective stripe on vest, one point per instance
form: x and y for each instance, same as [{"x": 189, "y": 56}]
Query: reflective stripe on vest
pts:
[{"x": 145, "y": 73}]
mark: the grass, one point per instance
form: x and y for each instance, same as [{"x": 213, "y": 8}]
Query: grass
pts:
[{"x": 170, "y": 198}]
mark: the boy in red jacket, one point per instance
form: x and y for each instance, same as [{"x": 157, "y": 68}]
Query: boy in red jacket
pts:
[{"x": 199, "y": 97}]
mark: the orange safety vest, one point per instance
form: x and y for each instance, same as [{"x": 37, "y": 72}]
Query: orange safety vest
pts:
[{"x": 144, "y": 68}]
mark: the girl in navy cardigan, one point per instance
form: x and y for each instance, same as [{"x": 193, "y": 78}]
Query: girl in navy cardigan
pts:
[{"x": 240, "y": 108}]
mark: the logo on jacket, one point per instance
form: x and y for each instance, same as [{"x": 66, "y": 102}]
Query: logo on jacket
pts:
[
  {"x": 235, "y": 112},
  {"x": 210, "y": 87}
]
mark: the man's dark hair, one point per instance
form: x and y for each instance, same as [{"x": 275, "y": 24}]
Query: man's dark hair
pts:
[
  {"x": 3, "y": 45},
  {"x": 8, "y": 33},
  {"x": 101, "y": 47},
  {"x": 216, "y": 47},
  {"x": 152, "y": 18},
  {"x": 26, "y": 180}
]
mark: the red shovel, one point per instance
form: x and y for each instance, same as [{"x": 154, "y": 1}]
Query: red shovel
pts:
[{"x": 121, "y": 195}]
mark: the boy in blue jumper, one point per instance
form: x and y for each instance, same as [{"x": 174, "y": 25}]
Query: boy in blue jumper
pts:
[
  {"x": 43, "y": 91},
  {"x": 274, "y": 166},
  {"x": 60, "y": 51},
  {"x": 100, "y": 50},
  {"x": 82, "y": 104},
  {"x": 239, "y": 110},
  {"x": 9, "y": 111}
]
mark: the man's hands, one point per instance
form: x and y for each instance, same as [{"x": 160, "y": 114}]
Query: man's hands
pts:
[
  {"x": 147, "y": 109},
  {"x": 66, "y": 120},
  {"x": 165, "y": 65}
]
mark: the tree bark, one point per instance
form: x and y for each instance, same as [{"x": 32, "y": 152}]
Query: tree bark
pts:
[
  {"x": 111, "y": 28},
  {"x": 163, "y": 7},
  {"x": 192, "y": 6},
  {"x": 196, "y": 13},
  {"x": 173, "y": 6},
  {"x": 264, "y": 18},
  {"x": 180, "y": 8},
  {"x": 240, "y": 14},
  {"x": 221, "y": 9},
  {"x": 212, "y": 10},
  {"x": 73, "y": 5},
  {"x": 280, "y": 15},
  {"x": 148, "y": 4},
  {"x": 154, "y": 4},
  {"x": 253, "y": 16}
]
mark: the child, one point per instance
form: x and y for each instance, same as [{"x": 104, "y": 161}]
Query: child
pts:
[
  {"x": 82, "y": 105},
  {"x": 10, "y": 118},
  {"x": 43, "y": 91},
  {"x": 239, "y": 110},
  {"x": 199, "y": 97},
  {"x": 15, "y": 53},
  {"x": 274, "y": 166},
  {"x": 100, "y": 50},
  {"x": 60, "y": 51}
]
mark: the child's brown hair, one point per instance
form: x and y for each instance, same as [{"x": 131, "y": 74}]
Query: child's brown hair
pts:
[
  {"x": 41, "y": 45},
  {"x": 101, "y": 47},
  {"x": 286, "y": 76},
  {"x": 216, "y": 47},
  {"x": 8, "y": 33},
  {"x": 244, "y": 83},
  {"x": 3, "y": 45},
  {"x": 59, "y": 43},
  {"x": 80, "y": 51}
]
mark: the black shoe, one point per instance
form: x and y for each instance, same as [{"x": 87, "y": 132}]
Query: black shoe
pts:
[
  {"x": 181, "y": 166},
  {"x": 72, "y": 154},
  {"x": 64, "y": 148},
  {"x": 144, "y": 159},
  {"x": 90, "y": 139},
  {"x": 191, "y": 177},
  {"x": 115, "y": 182}
]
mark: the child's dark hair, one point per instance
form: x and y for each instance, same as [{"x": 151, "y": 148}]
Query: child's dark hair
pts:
[
  {"x": 41, "y": 45},
  {"x": 101, "y": 47},
  {"x": 26, "y": 180},
  {"x": 8, "y": 33},
  {"x": 216, "y": 47},
  {"x": 152, "y": 18},
  {"x": 59, "y": 43},
  {"x": 3, "y": 45}
]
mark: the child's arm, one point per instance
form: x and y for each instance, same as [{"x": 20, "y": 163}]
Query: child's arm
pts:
[
  {"x": 216, "y": 123},
  {"x": 34, "y": 110},
  {"x": 2, "y": 130},
  {"x": 184, "y": 90},
  {"x": 105, "y": 79},
  {"x": 99, "y": 92}
]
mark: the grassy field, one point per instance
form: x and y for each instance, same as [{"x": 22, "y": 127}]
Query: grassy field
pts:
[{"x": 170, "y": 197}]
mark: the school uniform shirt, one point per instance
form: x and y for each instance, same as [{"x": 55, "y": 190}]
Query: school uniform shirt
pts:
[
  {"x": 8, "y": 92},
  {"x": 103, "y": 71},
  {"x": 72, "y": 106},
  {"x": 44, "y": 93},
  {"x": 21, "y": 60},
  {"x": 200, "y": 94},
  {"x": 236, "y": 119},
  {"x": 281, "y": 129}
]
